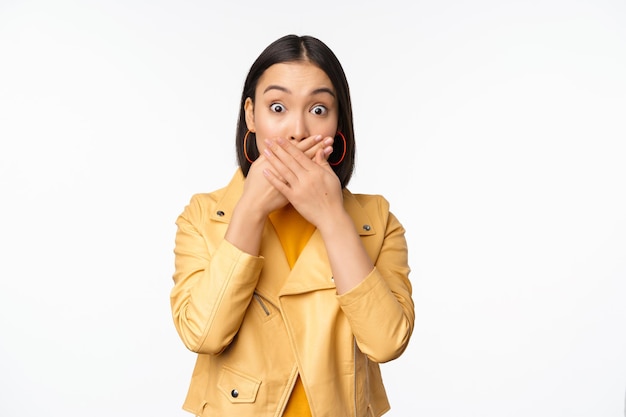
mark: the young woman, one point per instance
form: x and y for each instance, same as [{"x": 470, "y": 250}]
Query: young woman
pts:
[{"x": 290, "y": 288}]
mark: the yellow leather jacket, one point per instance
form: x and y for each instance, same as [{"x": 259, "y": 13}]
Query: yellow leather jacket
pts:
[{"x": 256, "y": 324}]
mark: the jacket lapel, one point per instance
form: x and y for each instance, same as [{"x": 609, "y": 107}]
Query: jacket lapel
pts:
[{"x": 312, "y": 269}]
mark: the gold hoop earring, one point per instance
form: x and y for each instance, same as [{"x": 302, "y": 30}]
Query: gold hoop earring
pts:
[
  {"x": 245, "y": 147},
  {"x": 345, "y": 147}
]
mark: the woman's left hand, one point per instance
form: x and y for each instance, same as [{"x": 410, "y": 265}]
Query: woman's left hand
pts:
[{"x": 310, "y": 185}]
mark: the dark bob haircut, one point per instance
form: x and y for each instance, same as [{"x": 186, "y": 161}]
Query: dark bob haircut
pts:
[{"x": 293, "y": 48}]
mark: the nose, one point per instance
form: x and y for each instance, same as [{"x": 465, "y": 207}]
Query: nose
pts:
[{"x": 299, "y": 129}]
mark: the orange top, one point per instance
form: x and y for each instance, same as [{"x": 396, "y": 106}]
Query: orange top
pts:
[{"x": 293, "y": 232}]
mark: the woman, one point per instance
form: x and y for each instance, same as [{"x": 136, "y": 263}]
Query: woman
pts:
[{"x": 291, "y": 289}]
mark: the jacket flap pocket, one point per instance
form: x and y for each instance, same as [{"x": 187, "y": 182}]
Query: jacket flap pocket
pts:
[{"x": 238, "y": 387}]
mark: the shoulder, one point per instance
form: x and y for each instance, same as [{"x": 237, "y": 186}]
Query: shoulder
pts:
[
  {"x": 203, "y": 204},
  {"x": 369, "y": 202},
  {"x": 204, "y": 199},
  {"x": 368, "y": 209},
  {"x": 372, "y": 208}
]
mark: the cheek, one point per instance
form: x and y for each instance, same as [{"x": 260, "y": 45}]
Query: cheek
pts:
[
  {"x": 262, "y": 132},
  {"x": 265, "y": 130},
  {"x": 328, "y": 129}
]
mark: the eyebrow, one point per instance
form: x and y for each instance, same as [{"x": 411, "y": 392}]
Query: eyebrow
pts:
[{"x": 288, "y": 91}]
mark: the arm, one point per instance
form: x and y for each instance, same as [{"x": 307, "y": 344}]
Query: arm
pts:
[
  {"x": 217, "y": 265},
  {"x": 380, "y": 309},
  {"x": 373, "y": 289},
  {"x": 213, "y": 284}
]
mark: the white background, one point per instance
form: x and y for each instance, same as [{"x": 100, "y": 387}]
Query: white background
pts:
[{"x": 496, "y": 129}]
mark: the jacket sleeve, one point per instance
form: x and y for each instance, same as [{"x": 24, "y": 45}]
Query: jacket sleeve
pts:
[
  {"x": 380, "y": 309},
  {"x": 213, "y": 283}
]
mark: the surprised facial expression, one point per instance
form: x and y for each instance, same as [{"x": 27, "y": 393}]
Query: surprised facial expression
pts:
[{"x": 293, "y": 101}]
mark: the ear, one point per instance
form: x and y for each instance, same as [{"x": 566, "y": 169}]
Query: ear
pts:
[{"x": 248, "y": 107}]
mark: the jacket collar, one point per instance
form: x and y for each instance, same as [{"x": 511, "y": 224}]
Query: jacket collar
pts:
[{"x": 227, "y": 198}]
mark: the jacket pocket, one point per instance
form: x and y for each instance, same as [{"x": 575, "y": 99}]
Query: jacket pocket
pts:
[
  {"x": 263, "y": 308},
  {"x": 237, "y": 386}
]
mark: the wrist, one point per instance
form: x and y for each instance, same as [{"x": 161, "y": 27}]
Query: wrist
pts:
[
  {"x": 249, "y": 213},
  {"x": 338, "y": 223}
]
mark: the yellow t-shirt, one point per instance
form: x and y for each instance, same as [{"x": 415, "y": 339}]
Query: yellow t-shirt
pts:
[{"x": 294, "y": 232}]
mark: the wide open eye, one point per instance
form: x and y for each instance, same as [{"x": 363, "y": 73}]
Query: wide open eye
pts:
[
  {"x": 277, "y": 107},
  {"x": 319, "y": 110}
]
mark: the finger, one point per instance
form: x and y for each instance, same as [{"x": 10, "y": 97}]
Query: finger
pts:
[
  {"x": 262, "y": 162},
  {"x": 321, "y": 157},
  {"x": 327, "y": 143},
  {"x": 308, "y": 143},
  {"x": 284, "y": 165},
  {"x": 327, "y": 151},
  {"x": 278, "y": 184},
  {"x": 291, "y": 156}
]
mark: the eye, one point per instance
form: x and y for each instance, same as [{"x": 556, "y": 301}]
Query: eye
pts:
[
  {"x": 319, "y": 110},
  {"x": 277, "y": 108}
]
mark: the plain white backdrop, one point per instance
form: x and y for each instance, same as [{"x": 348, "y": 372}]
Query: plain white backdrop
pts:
[{"x": 496, "y": 129}]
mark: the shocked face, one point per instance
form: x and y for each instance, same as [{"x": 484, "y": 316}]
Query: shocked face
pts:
[{"x": 293, "y": 101}]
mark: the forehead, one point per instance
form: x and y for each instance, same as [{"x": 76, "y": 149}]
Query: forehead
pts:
[{"x": 297, "y": 77}]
